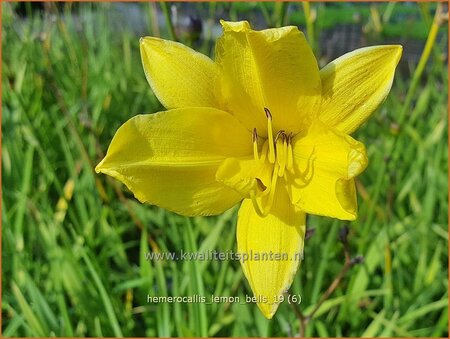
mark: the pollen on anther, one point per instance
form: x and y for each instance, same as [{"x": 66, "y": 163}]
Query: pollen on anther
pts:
[
  {"x": 280, "y": 133},
  {"x": 255, "y": 135},
  {"x": 268, "y": 114}
]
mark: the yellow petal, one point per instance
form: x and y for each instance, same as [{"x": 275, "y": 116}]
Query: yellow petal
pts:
[
  {"x": 237, "y": 26},
  {"x": 245, "y": 175},
  {"x": 355, "y": 84},
  {"x": 326, "y": 161},
  {"x": 274, "y": 68},
  {"x": 170, "y": 159},
  {"x": 179, "y": 76},
  {"x": 281, "y": 234}
]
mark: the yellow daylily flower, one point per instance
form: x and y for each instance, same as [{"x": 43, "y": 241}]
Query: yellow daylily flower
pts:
[{"x": 260, "y": 124}]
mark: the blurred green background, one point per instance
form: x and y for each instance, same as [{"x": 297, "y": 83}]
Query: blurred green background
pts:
[{"x": 73, "y": 242}]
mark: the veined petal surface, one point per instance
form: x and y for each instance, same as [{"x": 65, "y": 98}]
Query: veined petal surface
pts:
[
  {"x": 170, "y": 159},
  {"x": 326, "y": 161},
  {"x": 179, "y": 76},
  {"x": 273, "y": 68},
  {"x": 355, "y": 84},
  {"x": 281, "y": 233}
]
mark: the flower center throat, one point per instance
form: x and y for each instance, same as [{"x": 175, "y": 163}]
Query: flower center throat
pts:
[{"x": 278, "y": 152}]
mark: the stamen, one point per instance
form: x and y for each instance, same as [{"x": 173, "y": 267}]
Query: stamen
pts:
[
  {"x": 270, "y": 136},
  {"x": 273, "y": 187},
  {"x": 264, "y": 151},
  {"x": 278, "y": 135},
  {"x": 279, "y": 151},
  {"x": 284, "y": 156},
  {"x": 290, "y": 155},
  {"x": 255, "y": 135},
  {"x": 255, "y": 145},
  {"x": 285, "y": 143}
]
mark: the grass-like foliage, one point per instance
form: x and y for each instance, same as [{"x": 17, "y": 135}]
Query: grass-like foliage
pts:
[{"x": 74, "y": 243}]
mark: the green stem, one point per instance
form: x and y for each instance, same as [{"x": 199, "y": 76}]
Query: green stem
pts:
[
  {"x": 168, "y": 17},
  {"x": 309, "y": 24},
  {"x": 422, "y": 62},
  {"x": 207, "y": 41},
  {"x": 415, "y": 80},
  {"x": 279, "y": 13},
  {"x": 392, "y": 156},
  {"x": 425, "y": 11},
  {"x": 153, "y": 19},
  {"x": 265, "y": 13},
  {"x": 388, "y": 11},
  {"x": 233, "y": 12},
  {"x": 390, "y": 150}
]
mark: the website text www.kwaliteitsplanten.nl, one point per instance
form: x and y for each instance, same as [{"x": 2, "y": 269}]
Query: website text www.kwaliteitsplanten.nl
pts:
[{"x": 222, "y": 256}]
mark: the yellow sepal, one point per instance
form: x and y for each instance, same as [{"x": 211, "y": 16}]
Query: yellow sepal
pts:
[
  {"x": 355, "y": 84},
  {"x": 170, "y": 159}
]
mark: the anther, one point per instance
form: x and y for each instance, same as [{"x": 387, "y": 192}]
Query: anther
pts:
[
  {"x": 268, "y": 114},
  {"x": 278, "y": 135}
]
